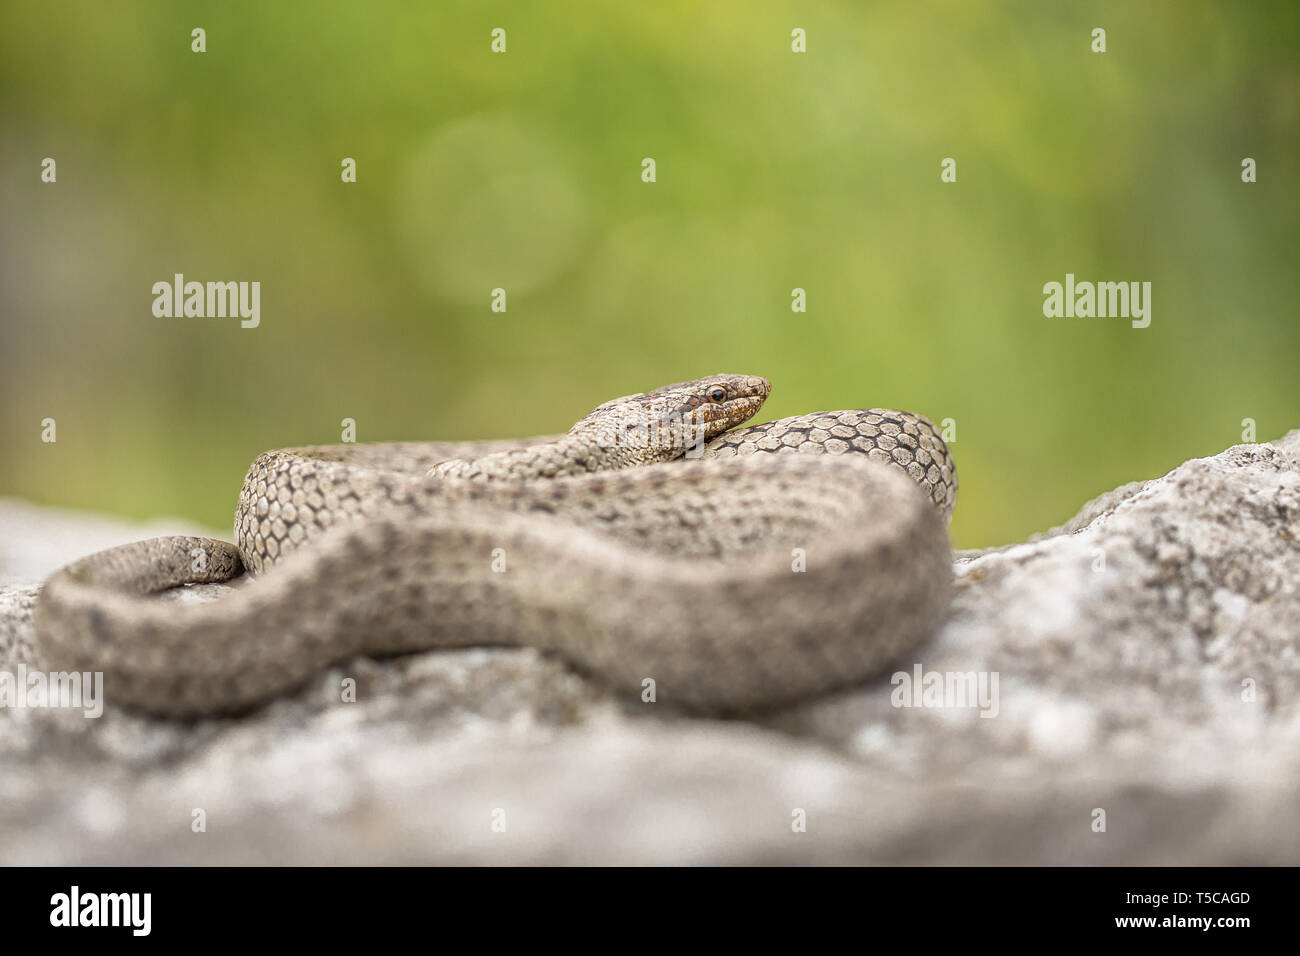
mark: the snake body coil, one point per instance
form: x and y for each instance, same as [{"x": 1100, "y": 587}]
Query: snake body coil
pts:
[{"x": 749, "y": 578}]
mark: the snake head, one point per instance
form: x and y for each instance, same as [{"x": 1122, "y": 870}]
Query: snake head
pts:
[
  {"x": 633, "y": 430},
  {"x": 684, "y": 413}
]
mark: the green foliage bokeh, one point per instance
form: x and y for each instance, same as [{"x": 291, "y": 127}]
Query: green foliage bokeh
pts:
[{"x": 522, "y": 170}]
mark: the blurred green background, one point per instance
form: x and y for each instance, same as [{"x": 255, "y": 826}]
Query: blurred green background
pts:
[{"x": 523, "y": 170}]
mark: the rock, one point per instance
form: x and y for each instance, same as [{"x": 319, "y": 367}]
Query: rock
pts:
[{"x": 1147, "y": 662}]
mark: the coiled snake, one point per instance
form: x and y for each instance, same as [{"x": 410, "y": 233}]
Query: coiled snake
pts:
[{"x": 647, "y": 544}]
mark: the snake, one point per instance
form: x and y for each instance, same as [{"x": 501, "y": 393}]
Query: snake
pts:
[{"x": 661, "y": 546}]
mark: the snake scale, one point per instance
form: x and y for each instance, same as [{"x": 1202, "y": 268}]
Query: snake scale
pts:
[{"x": 736, "y": 568}]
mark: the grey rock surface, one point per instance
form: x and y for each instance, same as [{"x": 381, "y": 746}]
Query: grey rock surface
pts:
[{"x": 1147, "y": 658}]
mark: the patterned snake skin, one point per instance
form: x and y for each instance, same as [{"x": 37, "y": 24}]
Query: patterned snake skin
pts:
[{"x": 649, "y": 544}]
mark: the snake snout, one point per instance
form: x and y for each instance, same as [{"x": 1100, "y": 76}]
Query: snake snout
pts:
[
  {"x": 745, "y": 396},
  {"x": 752, "y": 390}
]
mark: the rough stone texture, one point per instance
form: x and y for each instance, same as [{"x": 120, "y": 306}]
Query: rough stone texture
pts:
[{"x": 1121, "y": 641}]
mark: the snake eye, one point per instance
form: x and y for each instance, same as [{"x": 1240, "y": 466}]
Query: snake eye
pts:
[{"x": 718, "y": 393}]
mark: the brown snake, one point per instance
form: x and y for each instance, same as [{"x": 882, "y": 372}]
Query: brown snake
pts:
[{"x": 650, "y": 547}]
